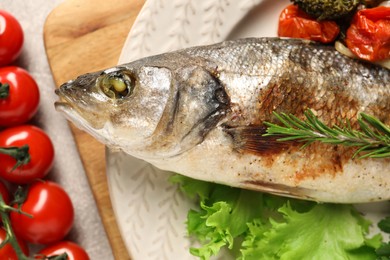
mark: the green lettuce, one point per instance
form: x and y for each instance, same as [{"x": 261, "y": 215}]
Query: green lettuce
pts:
[
  {"x": 383, "y": 251},
  {"x": 326, "y": 231},
  {"x": 254, "y": 225}
]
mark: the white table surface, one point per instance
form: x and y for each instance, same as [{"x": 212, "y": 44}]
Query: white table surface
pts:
[{"x": 68, "y": 171}]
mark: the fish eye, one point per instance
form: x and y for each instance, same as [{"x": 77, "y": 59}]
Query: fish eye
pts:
[{"x": 117, "y": 85}]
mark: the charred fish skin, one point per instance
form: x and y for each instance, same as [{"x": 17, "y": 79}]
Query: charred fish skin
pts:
[{"x": 201, "y": 112}]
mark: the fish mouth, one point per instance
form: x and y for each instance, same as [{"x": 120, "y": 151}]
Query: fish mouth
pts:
[
  {"x": 67, "y": 109},
  {"x": 74, "y": 114},
  {"x": 76, "y": 110},
  {"x": 71, "y": 114},
  {"x": 64, "y": 105}
]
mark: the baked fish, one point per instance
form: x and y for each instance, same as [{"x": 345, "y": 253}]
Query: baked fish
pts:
[{"x": 200, "y": 112}]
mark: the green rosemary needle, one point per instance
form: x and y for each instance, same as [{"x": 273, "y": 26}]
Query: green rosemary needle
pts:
[{"x": 372, "y": 139}]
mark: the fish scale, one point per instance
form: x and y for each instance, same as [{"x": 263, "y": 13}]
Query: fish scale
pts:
[{"x": 201, "y": 111}]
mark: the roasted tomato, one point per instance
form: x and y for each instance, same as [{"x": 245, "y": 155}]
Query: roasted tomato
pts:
[
  {"x": 11, "y": 38},
  {"x": 41, "y": 153},
  {"x": 368, "y": 37},
  {"x": 51, "y": 210},
  {"x": 295, "y": 23},
  {"x": 72, "y": 250},
  {"x": 19, "y": 96}
]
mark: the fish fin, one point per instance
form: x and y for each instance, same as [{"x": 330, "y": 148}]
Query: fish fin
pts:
[
  {"x": 199, "y": 105},
  {"x": 278, "y": 189},
  {"x": 251, "y": 139}
]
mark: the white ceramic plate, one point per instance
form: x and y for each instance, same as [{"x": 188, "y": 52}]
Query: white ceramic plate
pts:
[{"x": 150, "y": 212}]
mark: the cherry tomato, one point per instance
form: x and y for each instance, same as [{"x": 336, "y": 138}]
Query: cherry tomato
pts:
[
  {"x": 7, "y": 252},
  {"x": 74, "y": 251},
  {"x": 41, "y": 151},
  {"x": 295, "y": 23},
  {"x": 368, "y": 37},
  {"x": 52, "y": 214},
  {"x": 11, "y": 38},
  {"x": 23, "y": 98}
]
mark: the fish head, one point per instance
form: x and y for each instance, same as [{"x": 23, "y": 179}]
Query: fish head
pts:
[
  {"x": 152, "y": 108},
  {"x": 121, "y": 106}
]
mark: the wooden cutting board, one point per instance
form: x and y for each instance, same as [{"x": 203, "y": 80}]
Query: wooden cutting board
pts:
[{"x": 82, "y": 36}]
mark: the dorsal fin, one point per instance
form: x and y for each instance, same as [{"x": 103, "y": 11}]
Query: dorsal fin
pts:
[{"x": 251, "y": 139}]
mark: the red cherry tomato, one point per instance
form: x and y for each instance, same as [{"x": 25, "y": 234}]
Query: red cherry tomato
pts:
[
  {"x": 52, "y": 214},
  {"x": 7, "y": 252},
  {"x": 41, "y": 152},
  {"x": 74, "y": 251},
  {"x": 368, "y": 37},
  {"x": 23, "y": 99},
  {"x": 11, "y": 38},
  {"x": 295, "y": 23}
]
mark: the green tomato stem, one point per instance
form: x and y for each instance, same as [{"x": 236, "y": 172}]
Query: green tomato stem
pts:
[
  {"x": 10, "y": 238},
  {"x": 4, "y": 90},
  {"x": 63, "y": 256},
  {"x": 20, "y": 154},
  {"x": 6, "y": 209}
]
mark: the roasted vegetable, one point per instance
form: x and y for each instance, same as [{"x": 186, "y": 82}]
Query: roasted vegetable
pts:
[
  {"x": 295, "y": 23},
  {"x": 368, "y": 36},
  {"x": 327, "y": 9}
]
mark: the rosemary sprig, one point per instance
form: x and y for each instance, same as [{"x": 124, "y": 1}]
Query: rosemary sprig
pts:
[{"x": 372, "y": 139}]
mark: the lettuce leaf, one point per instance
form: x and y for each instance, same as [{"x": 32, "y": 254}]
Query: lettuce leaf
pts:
[
  {"x": 383, "y": 251},
  {"x": 254, "y": 225},
  {"x": 223, "y": 215},
  {"x": 327, "y": 231}
]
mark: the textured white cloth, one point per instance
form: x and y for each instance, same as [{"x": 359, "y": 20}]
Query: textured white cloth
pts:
[{"x": 68, "y": 171}]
